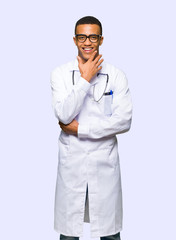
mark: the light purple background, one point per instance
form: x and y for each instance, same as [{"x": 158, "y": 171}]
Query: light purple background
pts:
[{"x": 139, "y": 38}]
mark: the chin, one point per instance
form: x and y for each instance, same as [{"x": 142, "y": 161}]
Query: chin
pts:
[{"x": 84, "y": 57}]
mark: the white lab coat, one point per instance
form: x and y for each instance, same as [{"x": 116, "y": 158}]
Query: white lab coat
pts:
[{"x": 91, "y": 158}]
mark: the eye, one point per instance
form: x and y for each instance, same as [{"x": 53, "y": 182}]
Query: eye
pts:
[
  {"x": 93, "y": 38},
  {"x": 81, "y": 38}
]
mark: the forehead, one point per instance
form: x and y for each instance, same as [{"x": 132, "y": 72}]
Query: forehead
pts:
[{"x": 88, "y": 29}]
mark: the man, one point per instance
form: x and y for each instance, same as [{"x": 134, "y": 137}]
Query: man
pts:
[{"x": 92, "y": 103}]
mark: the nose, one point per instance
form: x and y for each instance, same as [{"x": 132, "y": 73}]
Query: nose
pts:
[{"x": 87, "y": 42}]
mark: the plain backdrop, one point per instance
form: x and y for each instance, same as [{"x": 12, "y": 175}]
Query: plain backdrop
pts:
[{"x": 139, "y": 38}]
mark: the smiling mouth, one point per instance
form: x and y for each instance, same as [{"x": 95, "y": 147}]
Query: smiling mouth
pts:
[{"x": 87, "y": 49}]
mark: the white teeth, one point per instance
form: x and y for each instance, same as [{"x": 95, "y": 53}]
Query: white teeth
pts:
[{"x": 87, "y": 48}]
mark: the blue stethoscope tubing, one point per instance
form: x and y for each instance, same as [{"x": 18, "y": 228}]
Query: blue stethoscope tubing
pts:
[{"x": 107, "y": 80}]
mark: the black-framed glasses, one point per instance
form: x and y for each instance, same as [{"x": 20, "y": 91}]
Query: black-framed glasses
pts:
[{"x": 92, "y": 37}]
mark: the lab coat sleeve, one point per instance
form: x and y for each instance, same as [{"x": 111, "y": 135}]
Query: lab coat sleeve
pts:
[
  {"x": 119, "y": 121},
  {"x": 67, "y": 104}
]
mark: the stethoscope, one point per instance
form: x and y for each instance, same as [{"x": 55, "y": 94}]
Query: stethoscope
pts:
[{"x": 107, "y": 80}]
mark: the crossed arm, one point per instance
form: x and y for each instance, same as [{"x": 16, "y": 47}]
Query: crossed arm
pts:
[{"x": 71, "y": 128}]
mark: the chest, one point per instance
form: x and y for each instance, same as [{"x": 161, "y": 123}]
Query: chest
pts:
[{"x": 99, "y": 99}]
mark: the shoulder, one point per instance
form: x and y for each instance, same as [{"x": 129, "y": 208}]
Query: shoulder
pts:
[
  {"x": 112, "y": 70},
  {"x": 60, "y": 74},
  {"x": 64, "y": 67}
]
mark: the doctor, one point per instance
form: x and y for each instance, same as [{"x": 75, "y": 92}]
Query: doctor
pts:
[{"x": 92, "y": 103}]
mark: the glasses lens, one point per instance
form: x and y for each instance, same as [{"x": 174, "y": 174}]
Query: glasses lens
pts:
[
  {"x": 81, "y": 38},
  {"x": 94, "y": 38}
]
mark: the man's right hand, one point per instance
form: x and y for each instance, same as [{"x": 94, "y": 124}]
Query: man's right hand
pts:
[{"x": 91, "y": 67}]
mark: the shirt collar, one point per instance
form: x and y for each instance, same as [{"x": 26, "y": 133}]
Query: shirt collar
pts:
[{"x": 74, "y": 65}]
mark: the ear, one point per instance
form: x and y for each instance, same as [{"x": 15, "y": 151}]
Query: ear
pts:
[
  {"x": 74, "y": 39},
  {"x": 101, "y": 40}
]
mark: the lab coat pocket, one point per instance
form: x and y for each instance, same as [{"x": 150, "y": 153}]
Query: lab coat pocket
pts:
[
  {"x": 64, "y": 147},
  {"x": 108, "y": 105}
]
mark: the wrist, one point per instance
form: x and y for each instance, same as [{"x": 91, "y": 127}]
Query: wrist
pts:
[{"x": 86, "y": 77}]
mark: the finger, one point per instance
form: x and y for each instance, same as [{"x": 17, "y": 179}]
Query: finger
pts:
[
  {"x": 97, "y": 58},
  {"x": 99, "y": 68},
  {"x": 61, "y": 125},
  {"x": 92, "y": 56},
  {"x": 79, "y": 60},
  {"x": 100, "y": 62}
]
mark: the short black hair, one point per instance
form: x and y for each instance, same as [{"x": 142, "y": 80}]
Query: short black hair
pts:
[{"x": 89, "y": 20}]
